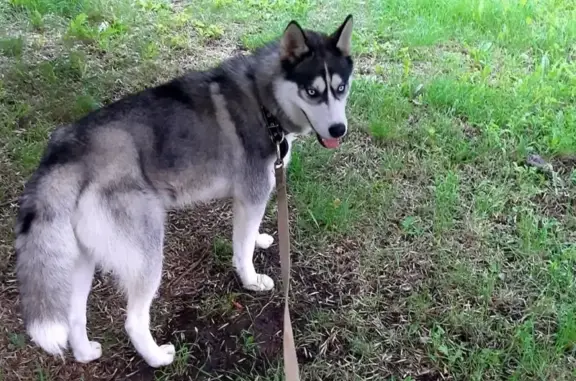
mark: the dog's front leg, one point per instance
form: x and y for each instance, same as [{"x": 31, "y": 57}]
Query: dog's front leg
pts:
[{"x": 247, "y": 219}]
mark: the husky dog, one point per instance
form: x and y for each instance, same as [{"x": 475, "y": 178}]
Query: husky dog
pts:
[{"x": 101, "y": 191}]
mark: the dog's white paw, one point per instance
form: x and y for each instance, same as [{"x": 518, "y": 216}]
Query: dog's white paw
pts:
[
  {"x": 262, "y": 283},
  {"x": 89, "y": 354},
  {"x": 163, "y": 357},
  {"x": 264, "y": 241}
]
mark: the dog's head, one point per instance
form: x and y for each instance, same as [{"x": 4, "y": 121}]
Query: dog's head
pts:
[{"x": 317, "y": 74}]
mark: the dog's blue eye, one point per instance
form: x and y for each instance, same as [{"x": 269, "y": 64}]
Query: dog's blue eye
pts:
[
  {"x": 311, "y": 92},
  {"x": 341, "y": 88}
]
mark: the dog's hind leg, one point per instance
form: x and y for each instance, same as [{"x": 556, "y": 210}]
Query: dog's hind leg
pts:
[
  {"x": 124, "y": 228},
  {"x": 84, "y": 350},
  {"x": 141, "y": 291},
  {"x": 247, "y": 219}
]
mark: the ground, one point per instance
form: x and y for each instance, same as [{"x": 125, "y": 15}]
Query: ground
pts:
[{"x": 436, "y": 244}]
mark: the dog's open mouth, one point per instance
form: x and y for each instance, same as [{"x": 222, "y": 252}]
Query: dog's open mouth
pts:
[{"x": 328, "y": 143}]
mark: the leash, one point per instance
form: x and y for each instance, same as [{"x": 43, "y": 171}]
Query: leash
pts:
[{"x": 291, "y": 370}]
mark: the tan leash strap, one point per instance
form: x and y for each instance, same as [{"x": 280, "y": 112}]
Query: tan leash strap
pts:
[{"x": 291, "y": 370}]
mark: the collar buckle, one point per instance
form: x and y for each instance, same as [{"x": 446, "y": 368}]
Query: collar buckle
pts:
[{"x": 277, "y": 136}]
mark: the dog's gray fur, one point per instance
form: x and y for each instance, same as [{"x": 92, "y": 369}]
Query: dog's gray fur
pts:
[{"x": 99, "y": 195}]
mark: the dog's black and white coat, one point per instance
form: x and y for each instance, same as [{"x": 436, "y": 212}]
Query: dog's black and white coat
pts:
[{"x": 101, "y": 191}]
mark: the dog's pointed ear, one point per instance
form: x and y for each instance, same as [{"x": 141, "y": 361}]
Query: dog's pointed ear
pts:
[
  {"x": 343, "y": 36},
  {"x": 293, "y": 44}
]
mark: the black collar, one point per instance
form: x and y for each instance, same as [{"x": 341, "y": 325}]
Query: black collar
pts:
[{"x": 276, "y": 132}]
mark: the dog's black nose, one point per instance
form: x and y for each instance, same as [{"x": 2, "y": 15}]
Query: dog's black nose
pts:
[{"x": 337, "y": 130}]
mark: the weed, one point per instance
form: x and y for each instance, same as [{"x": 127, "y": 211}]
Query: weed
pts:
[{"x": 12, "y": 47}]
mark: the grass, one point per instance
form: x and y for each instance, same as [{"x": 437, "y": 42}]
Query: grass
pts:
[{"x": 425, "y": 248}]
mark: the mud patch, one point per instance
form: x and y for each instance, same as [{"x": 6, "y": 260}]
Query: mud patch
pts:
[{"x": 236, "y": 341}]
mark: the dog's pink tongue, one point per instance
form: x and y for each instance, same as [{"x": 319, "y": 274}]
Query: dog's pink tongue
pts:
[{"x": 331, "y": 143}]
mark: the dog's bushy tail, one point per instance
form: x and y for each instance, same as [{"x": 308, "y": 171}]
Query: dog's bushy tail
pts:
[{"x": 46, "y": 250}]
